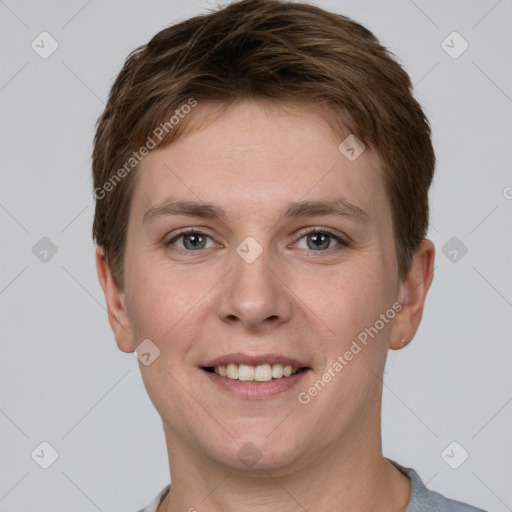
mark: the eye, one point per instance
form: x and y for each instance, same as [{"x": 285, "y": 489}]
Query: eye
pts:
[
  {"x": 319, "y": 239},
  {"x": 192, "y": 240}
]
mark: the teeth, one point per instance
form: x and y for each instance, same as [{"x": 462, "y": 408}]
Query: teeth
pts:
[
  {"x": 245, "y": 372},
  {"x": 260, "y": 373},
  {"x": 232, "y": 371},
  {"x": 263, "y": 372},
  {"x": 277, "y": 371}
]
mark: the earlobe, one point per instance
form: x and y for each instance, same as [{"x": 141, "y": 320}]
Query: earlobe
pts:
[
  {"x": 412, "y": 296},
  {"x": 116, "y": 305}
]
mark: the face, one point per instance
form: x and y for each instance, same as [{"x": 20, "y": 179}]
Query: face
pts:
[{"x": 266, "y": 274}]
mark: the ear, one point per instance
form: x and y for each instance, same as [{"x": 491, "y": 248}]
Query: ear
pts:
[
  {"x": 116, "y": 305},
  {"x": 412, "y": 295}
]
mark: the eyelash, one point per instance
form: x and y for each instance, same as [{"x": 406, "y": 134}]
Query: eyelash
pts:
[{"x": 318, "y": 230}]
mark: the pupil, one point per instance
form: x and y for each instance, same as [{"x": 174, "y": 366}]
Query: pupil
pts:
[
  {"x": 195, "y": 239},
  {"x": 322, "y": 237}
]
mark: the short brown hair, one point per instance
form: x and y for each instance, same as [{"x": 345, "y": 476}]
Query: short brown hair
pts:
[{"x": 277, "y": 50}]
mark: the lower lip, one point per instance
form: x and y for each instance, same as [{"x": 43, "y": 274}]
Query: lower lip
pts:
[{"x": 254, "y": 390}]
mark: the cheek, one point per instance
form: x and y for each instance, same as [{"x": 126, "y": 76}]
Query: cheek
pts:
[
  {"x": 150, "y": 302},
  {"x": 163, "y": 301},
  {"x": 350, "y": 299}
]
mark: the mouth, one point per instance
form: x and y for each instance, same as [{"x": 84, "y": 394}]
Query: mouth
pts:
[
  {"x": 261, "y": 373},
  {"x": 255, "y": 376}
]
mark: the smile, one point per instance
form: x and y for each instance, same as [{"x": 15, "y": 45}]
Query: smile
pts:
[{"x": 260, "y": 373}]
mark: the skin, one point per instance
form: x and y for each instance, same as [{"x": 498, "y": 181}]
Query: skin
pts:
[{"x": 294, "y": 299}]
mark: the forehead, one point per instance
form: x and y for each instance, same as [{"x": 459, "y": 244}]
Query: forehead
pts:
[{"x": 257, "y": 156}]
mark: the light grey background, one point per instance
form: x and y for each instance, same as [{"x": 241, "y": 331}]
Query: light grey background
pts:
[{"x": 62, "y": 378}]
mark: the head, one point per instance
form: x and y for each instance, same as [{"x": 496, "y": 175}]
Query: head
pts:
[{"x": 239, "y": 126}]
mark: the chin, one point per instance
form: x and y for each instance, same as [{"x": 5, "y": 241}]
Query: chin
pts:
[{"x": 258, "y": 454}]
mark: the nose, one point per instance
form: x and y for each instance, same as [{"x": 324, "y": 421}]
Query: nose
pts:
[{"x": 255, "y": 294}]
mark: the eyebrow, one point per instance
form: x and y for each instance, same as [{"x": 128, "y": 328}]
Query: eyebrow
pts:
[{"x": 338, "y": 207}]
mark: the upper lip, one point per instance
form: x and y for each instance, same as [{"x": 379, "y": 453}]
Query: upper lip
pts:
[{"x": 254, "y": 360}]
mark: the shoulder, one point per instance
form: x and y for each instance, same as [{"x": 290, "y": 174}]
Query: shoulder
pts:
[
  {"x": 153, "y": 506},
  {"x": 425, "y": 500}
]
